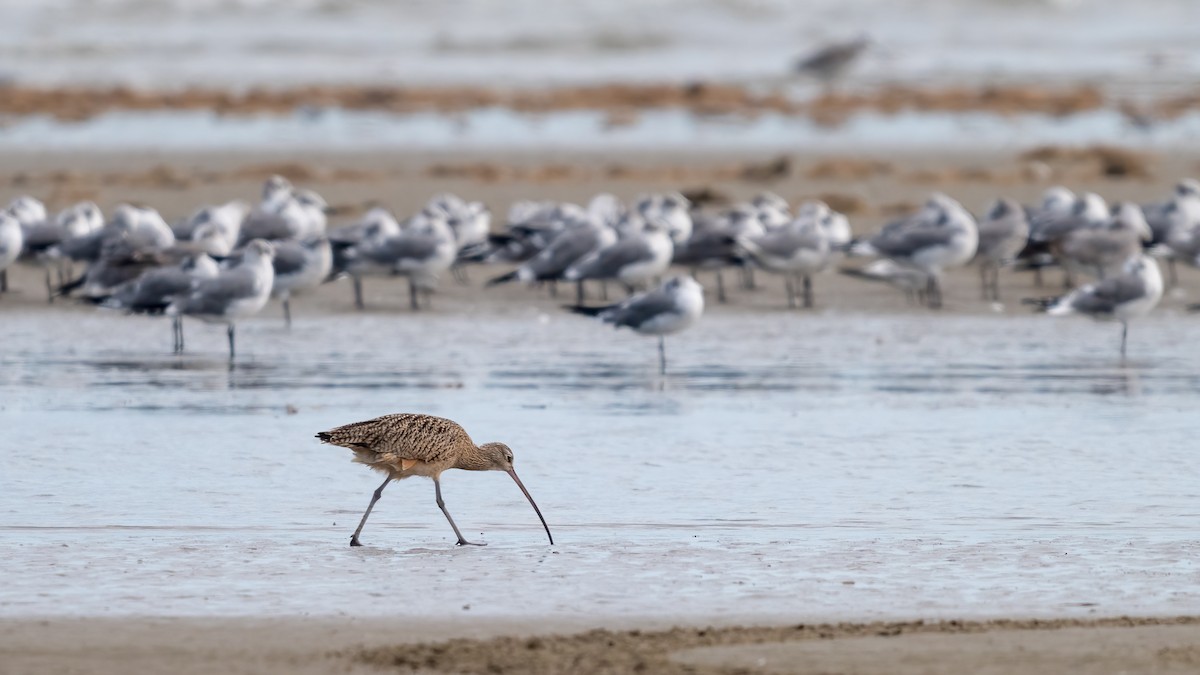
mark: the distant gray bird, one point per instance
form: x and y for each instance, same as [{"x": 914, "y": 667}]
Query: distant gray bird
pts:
[
  {"x": 155, "y": 289},
  {"x": 233, "y": 294},
  {"x": 670, "y": 308},
  {"x": 633, "y": 261},
  {"x": 1003, "y": 233},
  {"x": 1102, "y": 250},
  {"x": 12, "y": 240},
  {"x": 942, "y": 234},
  {"x": 578, "y": 241},
  {"x": 1130, "y": 295},
  {"x": 830, "y": 62},
  {"x": 299, "y": 266},
  {"x": 796, "y": 251}
]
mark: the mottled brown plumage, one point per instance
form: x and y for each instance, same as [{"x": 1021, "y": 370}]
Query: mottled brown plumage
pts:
[{"x": 411, "y": 444}]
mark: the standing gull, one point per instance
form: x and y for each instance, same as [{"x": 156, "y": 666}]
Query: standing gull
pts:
[
  {"x": 633, "y": 261},
  {"x": 581, "y": 239},
  {"x": 942, "y": 234},
  {"x": 299, "y": 266},
  {"x": 154, "y": 291},
  {"x": 1132, "y": 294},
  {"x": 670, "y": 308},
  {"x": 233, "y": 294},
  {"x": 408, "y": 444},
  {"x": 797, "y": 250},
  {"x": 11, "y": 241},
  {"x": 1003, "y": 233}
]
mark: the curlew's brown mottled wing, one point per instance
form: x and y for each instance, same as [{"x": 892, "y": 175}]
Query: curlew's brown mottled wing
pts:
[{"x": 404, "y": 436}]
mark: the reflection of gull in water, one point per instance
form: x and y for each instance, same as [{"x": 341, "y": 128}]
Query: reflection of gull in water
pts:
[
  {"x": 234, "y": 293},
  {"x": 670, "y": 308},
  {"x": 1132, "y": 294}
]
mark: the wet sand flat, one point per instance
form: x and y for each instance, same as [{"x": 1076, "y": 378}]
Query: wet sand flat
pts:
[{"x": 321, "y": 645}]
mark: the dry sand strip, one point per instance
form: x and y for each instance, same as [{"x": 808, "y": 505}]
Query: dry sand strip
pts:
[
  {"x": 180, "y": 646},
  {"x": 1092, "y": 647}
]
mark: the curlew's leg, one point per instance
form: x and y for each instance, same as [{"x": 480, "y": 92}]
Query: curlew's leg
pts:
[
  {"x": 808, "y": 293},
  {"x": 287, "y": 312},
  {"x": 1124, "y": 335},
  {"x": 230, "y": 332},
  {"x": 374, "y": 498},
  {"x": 437, "y": 490},
  {"x": 720, "y": 287},
  {"x": 662, "y": 355}
]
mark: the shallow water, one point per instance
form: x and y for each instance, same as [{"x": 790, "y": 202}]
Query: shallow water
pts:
[
  {"x": 498, "y": 129},
  {"x": 787, "y": 466}
]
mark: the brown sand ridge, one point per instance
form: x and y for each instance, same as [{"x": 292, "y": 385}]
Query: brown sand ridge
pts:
[
  {"x": 636, "y": 651},
  {"x": 621, "y": 102}
]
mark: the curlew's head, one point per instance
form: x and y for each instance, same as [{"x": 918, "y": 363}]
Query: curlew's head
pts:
[{"x": 499, "y": 457}]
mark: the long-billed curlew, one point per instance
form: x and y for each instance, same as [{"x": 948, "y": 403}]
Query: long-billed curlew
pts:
[{"x": 412, "y": 444}]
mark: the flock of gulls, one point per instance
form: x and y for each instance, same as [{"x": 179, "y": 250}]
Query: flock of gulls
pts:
[{"x": 224, "y": 262}]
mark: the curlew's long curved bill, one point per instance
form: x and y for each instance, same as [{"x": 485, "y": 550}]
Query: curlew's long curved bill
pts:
[{"x": 532, "y": 503}]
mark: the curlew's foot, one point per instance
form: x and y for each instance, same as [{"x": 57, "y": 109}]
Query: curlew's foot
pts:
[
  {"x": 355, "y": 542},
  {"x": 464, "y": 542}
]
